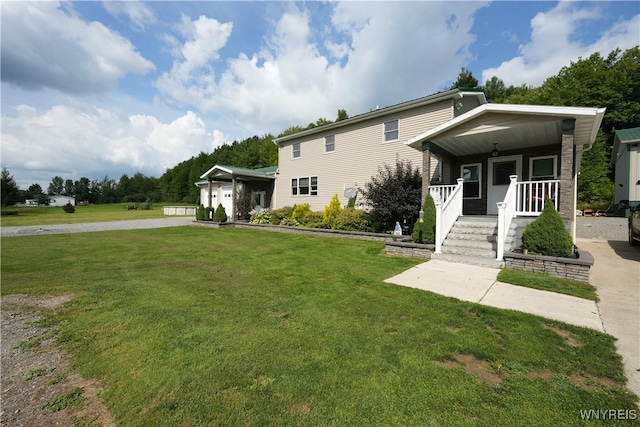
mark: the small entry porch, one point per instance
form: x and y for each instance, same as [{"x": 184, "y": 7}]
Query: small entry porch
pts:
[{"x": 504, "y": 161}]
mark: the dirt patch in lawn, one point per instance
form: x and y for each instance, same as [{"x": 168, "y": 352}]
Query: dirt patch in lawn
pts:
[
  {"x": 478, "y": 368},
  {"x": 35, "y": 373},
  {"x": 569, "y": 338}
]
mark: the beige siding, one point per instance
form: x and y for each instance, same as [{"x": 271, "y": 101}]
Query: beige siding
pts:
[{"x": 359, "y": 152}]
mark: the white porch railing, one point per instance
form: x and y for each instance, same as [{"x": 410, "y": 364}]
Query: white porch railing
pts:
[
  {"x": 532, "y": 194},
  {"x": 441, "y": 192},
  {"x": 523, "y": 199},
  {"x": 447, "y": 212},
  {"x": 506, "y": 212}
]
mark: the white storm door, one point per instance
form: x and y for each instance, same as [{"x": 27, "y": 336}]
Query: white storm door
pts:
[{"x": 499, "y": 169}]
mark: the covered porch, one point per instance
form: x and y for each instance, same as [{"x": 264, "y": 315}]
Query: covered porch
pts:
[
  {"x": 505, "y": 160},
  {"x": 238, "y": 189}
]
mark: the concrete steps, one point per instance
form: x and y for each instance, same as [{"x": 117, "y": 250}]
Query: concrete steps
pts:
[{"x": 472, "y": 240}]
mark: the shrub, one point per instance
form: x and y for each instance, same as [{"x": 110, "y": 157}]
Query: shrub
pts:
[
  {"x": 331, "y": 211},
  {"x": 263, "y": 217},
  {"x": 394, "y": 194},
  {"x": 220, "y": 215},
  {"x": 425, "y": 231},
  {"x": 312, "y": 220},
  {"x": 146, "y": 206},
  {"x": 289, "y": 222},
  {"x": 352, "y": 219},
  {"x": 547, "y": 235},
  {"x": 69, "y": 208},
  {"x": 201, "y": 213},
  {"x": 351, "y": 203},
  {"x": 300, "y": 211},
  {"x": 277, "y": 215}
]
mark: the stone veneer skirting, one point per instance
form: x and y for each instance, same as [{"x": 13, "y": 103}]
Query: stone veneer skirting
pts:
[
  {"x": 564, "y": 268},
  {"x": 408, "y": 249}
]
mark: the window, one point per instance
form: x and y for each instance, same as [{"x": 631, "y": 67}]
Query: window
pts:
[
  {"x": 391, "y": 131},
  {"x": 307, "y": 186},
  {"x": 295, "y": 150},
  {"x": 542, "y": 168},
  {"x": 472, "y": 174},
  {"x": 329, "y": 144}
]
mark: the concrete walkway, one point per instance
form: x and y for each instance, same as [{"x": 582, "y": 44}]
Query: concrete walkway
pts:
[
  {"x": 616, "y": 276},
  {"x": 479, "y": 284}
]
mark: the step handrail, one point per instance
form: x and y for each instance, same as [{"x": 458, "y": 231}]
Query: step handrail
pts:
[
  {"x": 447, "y": 213},
  {"x": 506, "y": 212}
]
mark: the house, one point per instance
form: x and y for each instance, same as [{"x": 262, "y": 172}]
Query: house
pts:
[
  {"x": 239, "y": 190},
  {"x": 316, "y": 164},
  {"x": 625, "y": 158},
  {"x": 497, "y": 161},
  {"x": 58, "y": 200}
]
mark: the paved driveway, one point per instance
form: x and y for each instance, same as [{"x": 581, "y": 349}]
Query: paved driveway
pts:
[{"x": 616, "y": 275}]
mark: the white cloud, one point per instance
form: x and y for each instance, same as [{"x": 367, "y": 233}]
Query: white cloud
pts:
[
  {"x": 553, "y": 43},
  {"x": 93, "y": 142},
  {"x": 386, "y": 52},
  {"x": 42, "y": 46},
  {"x": 137, "y": 12}
]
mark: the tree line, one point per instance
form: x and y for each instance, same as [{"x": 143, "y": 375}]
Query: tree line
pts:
[{"x": 612, "y": 82}]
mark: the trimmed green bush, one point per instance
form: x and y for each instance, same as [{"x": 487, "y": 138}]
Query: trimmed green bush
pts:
[
  {"x": 277, "y": 215},
  {"x": 352, "y": 202},
  {"x": 547, "y": 235},
  {"x": 220, "y": 215},
  {"x": 425, "y": 231},
  {"x": 300, "y": 211},
  {"x": 312, "y": 219},
  {"x": 69, "y": 208},
  {"x": 352, "y": 219},
  {"x": 331, "y": 211},
  {"x": 201, "y": 213}
]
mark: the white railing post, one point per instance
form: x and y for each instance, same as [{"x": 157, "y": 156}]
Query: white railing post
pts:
[
  {"x": 501, "y": 233},
  {"x": 506, "y": 212},
  {"x": 438, "y": 226}
]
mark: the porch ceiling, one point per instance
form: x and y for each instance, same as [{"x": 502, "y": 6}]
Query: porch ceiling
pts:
[{"x": 512, "y": 127}]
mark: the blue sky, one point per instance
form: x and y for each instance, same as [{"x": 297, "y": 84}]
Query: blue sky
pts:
[{"x": 100, "y": 89}]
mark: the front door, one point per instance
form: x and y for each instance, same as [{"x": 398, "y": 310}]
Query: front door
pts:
[{"x": 499, "y": 169}]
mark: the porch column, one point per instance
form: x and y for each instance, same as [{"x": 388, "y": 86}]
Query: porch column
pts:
[
  {"x": 209, "y": 191},
  {"x": 426, "y": 169},
  {"x": 234, "y": 209},
  {"x": 567, "y": 170}
]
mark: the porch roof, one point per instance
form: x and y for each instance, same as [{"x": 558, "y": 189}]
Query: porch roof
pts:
[
  {"x": 226, "y": 173},
  {"x": 510, "y": 127}
]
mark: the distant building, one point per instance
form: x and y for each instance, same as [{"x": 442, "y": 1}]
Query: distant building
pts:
[
  {"x": 58, "y": 200},
  {"x": 625, "y": 158}
]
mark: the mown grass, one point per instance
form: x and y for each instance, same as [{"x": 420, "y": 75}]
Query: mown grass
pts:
[
  {"x": 93, "y": 213},
  {"x": 193, "y": 326},
  {"x": 546, "y": 282}
]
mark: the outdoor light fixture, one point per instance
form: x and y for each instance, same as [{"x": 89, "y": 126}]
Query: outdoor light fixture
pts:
[{"x": 495, "y": 151}]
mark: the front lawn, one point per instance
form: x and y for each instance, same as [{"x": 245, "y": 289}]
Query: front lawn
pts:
[
  {"x": 48, "y": 215},
  {"x": 197, "y": 326},
  {"x": 549, "y": 283}
]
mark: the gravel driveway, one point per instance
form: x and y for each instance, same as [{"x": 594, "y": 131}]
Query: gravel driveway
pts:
[
  {"x": 173, "y": 221},
  {"x": 604, "y": 228}
]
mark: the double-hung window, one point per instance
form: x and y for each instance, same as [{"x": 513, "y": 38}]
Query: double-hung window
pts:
[
  {"x": 329, "y": 144},
  {"x": 472, "y": 175},
  {"x": 306, "y": 186},
  {"x": 391, "y": 131},
  {"x": 295, "y": 150}
]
